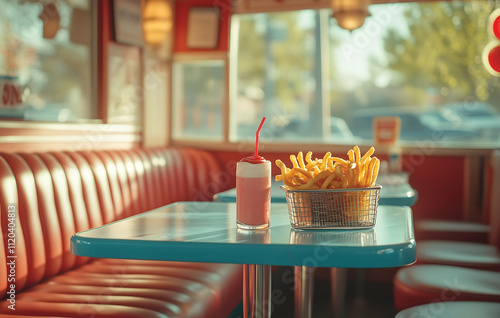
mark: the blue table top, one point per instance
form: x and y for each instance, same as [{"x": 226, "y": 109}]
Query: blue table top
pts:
[
  {"x": 207, "y": 232},
  {"x": 392, "y": 193}
]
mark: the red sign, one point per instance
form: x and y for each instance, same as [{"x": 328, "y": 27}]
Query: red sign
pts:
[
  {"x": 494, "y": 58},
  {"x": 386, "y": 129},
  {"x": 491, "y": 57},
  {"x": 491, "y": 52}
]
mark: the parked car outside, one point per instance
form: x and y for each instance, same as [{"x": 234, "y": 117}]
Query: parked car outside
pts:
[
  {"x": 340, "y": 131},
  {"x": 416, "y": 124},
  {"x": 480, "y": 117}
]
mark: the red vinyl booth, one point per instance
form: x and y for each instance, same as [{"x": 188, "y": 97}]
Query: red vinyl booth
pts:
[{"x": 54, "y": 195}]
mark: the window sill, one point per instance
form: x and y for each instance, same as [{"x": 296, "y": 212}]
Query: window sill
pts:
[
  {"x": 44, "y": 136},
  {"x": 426, "y": 148}
]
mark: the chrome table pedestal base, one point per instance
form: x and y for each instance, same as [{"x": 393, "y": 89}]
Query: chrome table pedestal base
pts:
[
  {"x": 338, "y": 284},
  {"x": 304, "y": 291},
  {"x": 257, "y": 291}
]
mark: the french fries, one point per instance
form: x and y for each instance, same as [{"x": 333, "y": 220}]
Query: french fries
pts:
[{"x": 330, "y": 172}]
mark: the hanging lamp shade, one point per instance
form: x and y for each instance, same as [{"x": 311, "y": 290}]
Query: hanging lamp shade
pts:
[
  {"x": 156, "y": 21},
  {"x": 350, "y": 14}
]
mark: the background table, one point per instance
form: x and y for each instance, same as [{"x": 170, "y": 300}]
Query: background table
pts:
[
  {"x": 206, "y": 232},
  {"x": 395, "y": 191}
]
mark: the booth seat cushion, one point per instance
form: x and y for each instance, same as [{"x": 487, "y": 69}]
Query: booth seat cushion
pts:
[
  {"x": 451, "y": 230},
  {"x": 47, "y": 309},
  {"x": 175, "y": 289},
  {"x": 57, "y": 194},
  {"x": 423, "y": 284},
  {"x": 456, "y": 309},
  {"x": 466, "y": 254}
]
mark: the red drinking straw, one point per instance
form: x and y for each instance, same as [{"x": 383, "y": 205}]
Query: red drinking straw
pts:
[{"x": 257, "y": 137}]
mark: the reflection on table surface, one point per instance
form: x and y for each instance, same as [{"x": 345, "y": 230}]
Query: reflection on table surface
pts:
[
  {"x": 363, "y": 237},
  {"x": 395, "y": 191},
  {"x": 207, "y": 232}
]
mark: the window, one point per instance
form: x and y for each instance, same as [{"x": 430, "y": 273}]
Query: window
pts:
[
  {"x": 46, "y": 54},
  {"x": 316, "y": 81},
  {"x": 199, "y": 93},
  {"x": 279, "y": 75}
]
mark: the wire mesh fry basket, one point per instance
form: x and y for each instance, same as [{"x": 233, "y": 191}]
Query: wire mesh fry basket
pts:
[{"x": 350, "y": 208}]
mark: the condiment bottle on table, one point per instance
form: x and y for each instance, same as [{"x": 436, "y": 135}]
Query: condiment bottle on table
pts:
[{"x": 253, "y": 190}]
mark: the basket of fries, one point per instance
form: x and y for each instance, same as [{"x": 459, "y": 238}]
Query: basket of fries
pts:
[
  {"x": 331, "y": 193},
  {"x": 334, "y": 208}
]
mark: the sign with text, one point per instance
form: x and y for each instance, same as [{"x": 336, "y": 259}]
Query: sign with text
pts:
[{"x": 10, "y": 92}]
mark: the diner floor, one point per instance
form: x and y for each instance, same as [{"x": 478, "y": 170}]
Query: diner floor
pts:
[{"x": 373, "y": 299}]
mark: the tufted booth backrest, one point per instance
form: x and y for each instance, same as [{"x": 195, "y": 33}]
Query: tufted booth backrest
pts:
[
  {"x": 82, "y": 218},
  {"x": 62, "y": 202},
  {"x": 11, "y": 229},
  {"x": 60, "y": 193},
  {"x": 51, "y": 237},
  {"x": 27, "y": 214}
]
